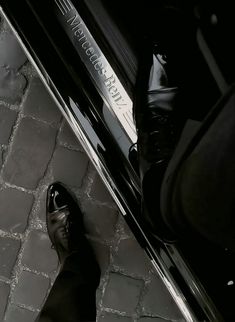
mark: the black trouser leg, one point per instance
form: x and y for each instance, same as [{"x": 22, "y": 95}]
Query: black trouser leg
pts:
[{"x": 73, "y": 295}]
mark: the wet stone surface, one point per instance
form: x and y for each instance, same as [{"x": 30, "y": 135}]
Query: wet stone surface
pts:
[
  {"x": 100, "y": 220},
  {"x": 39, "y": 104},
  {"x": 63, "y": 165},
  {"x": 122, "y": 293},
  {"x": 67, "y": 138},
  {"x": 135, "y": 261},
  {"x": 7, "y": 121},
  {"x": 12, "y": 86},
  {"x": 31, "y": 290},
  {"x": 29, "y": 154},
  {"x": 9, "y": 249},
  {"x": 16, "y": 313},
  {"x": 15, "y": 207},
  {"x": 37, "y": 248},
  {"x": 36, "y": 148},
  {"x": 11, "y": 54}
]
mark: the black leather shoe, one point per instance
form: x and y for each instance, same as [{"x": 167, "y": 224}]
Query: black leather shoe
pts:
[
  {"x": 157, "y": 135},
  {"x": 65, "y": 224}
]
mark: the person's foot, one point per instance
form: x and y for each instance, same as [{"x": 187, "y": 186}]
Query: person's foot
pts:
[
  {"x": 157, "y": 136},
  {"x": 65, "y": 225}
]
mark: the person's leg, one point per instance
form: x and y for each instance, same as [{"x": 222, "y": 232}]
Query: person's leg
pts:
[
  {"x": 154, "y": 113},
  {"x": 73, "y": 295}
]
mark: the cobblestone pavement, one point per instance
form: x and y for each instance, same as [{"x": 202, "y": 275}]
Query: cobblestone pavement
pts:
[{"x": 36, "y": 148}]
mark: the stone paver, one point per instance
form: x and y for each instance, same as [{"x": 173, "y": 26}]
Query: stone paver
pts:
[
  {"x": 9, "y": 249},
  {"x": 4, "y": 293},
  {"x": 69, "y": 166},
  {"x": 31, "y": 290},
  {"x": 100, "y": 220},
  {"x": 15, "y": 206},
  {"x": 7, "y": 121},
  {"x": 122, "y": 293},
  {"x": 67, "y": 137},
  {"x": 18, "y": 314},
  {"x": 39, "y": 104},
  {"x": 11, "y": 54},
  {"x": 133, "y": 262},
  {"x": 37, "y": 147},
  {"x": 124, "y": 229},
  {"x": 38, "y": 254},
  {"x": 12, "y": 85},
  {"x": 99, "y": 192},
  {"x": 30, "y": 155}
]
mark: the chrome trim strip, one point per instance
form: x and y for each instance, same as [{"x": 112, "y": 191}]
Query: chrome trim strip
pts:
[
  {"x": 60, "y": 7},
  {"x": 67, "y": 5},
  {"x": 194, "y": 284},
  {"x": 104, "y": 77}
]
